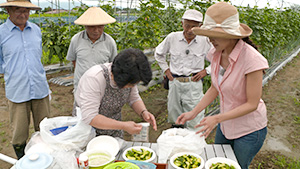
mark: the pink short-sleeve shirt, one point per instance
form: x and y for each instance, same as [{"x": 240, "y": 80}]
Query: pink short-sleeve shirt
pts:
[{"x": 243, "y": 59}]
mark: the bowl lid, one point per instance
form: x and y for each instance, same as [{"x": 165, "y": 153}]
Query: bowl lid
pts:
[
  {"x": 126, "y": 165},
  {"x": 35, "y": 160}
]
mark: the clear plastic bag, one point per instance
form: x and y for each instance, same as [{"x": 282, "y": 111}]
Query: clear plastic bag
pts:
[{"x": 176, "y": 140}]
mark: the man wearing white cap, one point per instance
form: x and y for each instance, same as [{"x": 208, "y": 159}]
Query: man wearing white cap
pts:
[
  {"x": 186, "y": 68},
  {"x": 26, "y": 86},
  {"x": 92, "y": 46}
]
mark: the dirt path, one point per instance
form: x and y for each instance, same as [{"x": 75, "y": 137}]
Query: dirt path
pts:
[{"x": 281, "y": 94}]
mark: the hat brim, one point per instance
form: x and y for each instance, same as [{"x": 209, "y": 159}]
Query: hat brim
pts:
[
  {"x": 25, "y": 4},
  {"x": 192, "y": 19},
  {"x": 220, "y": 33}
]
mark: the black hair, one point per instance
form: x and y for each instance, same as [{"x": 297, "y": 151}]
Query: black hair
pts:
[
  {"x": 249, "y": 41},
  {"x": 131, "y": 66}
]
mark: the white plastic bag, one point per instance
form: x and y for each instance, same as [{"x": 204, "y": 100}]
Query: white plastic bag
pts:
[
  {"x": 176, "y": 140},
  {"x": 75, "y": 137},
  {"x": 61, "y": 159}
]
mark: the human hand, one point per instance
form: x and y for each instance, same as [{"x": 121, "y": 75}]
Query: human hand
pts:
[
  {"x": 169, "y": 75},
  {"x": 184, "y": 117},
  {"x": 199, "y": 75},
  {"x": 132, "y": 127},
  {"x": 208, "y": 124},
  {"x": 149, "y": 117}
]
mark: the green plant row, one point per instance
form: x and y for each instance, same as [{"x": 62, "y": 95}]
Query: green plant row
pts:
[{"x": 274, "y": 30}]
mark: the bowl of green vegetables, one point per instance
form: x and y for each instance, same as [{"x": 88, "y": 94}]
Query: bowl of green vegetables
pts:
[
  {"x": 187, "y": 160},
  {"x": 221, "y": 163},
  {"x": 139, "y": 153}
]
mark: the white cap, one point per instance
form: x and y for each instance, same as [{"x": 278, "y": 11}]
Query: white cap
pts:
[{"x": 192, "y": 14}]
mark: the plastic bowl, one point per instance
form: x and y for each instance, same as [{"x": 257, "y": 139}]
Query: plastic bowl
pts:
[
  {"x": 104, "y": 142},
  {"x": 98, "y": 159},
  {"x": 123, "y": 165},
  {"x": 139, "y": 149},
  {"x": 221, "y": 160},
  {"x": 186, "y": 153}
]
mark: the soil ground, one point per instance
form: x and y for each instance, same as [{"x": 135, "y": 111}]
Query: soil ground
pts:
[{"x": 281, "y": 94}]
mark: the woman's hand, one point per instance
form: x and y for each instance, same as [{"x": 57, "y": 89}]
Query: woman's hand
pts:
[
  {"x": 148, "y": 117},
  {"x": 132, "y": 127},
  {"x": 208, "y": 124},
  {"x": 184, "y": 117}
]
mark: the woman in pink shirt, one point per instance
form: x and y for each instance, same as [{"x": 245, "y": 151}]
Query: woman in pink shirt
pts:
[{"x": 237, "y": 73}]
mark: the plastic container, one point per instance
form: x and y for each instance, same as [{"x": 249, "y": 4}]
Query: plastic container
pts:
[
  {"x": 83, "y": 161},
  {"x": 123, "y": 165},
  {"x": 142, "y": 165},
  {"x": 144, "y": 134}
]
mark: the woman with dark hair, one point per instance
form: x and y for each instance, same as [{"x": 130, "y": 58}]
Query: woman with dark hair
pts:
[
  {"x": 104, "y": 89},
  {"x": 236, "y": 76}
]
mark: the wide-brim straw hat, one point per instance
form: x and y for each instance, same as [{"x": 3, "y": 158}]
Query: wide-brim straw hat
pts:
[
  {"x": 20, "y": 3},
  {"x": 222, "y": 21},
  {"x": 94, "y": 16}
]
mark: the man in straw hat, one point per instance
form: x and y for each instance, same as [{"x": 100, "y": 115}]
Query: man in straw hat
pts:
[
  {"x": 26, "y": 85},
  {"x": 92, "y": 46},
  {"x": 187, "y": 54},
  {"x": 237, "y": 72}
]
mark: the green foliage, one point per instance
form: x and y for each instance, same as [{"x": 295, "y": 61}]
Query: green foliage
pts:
[
  {"x": 273, "y": 29},
  {"x": 284, "y": 162},
  {"x": 56, "y": 38}
]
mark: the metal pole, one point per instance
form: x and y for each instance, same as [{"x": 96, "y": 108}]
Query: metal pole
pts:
[
  {"x": 69, "y": 19},
  {"x": 7, "y": 159},
  {"x": 39, "y": 14}
]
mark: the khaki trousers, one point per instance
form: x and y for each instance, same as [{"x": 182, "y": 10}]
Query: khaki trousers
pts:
[
  {"x": 20, "y": 117},
  {"x": 183, "y": 96}
]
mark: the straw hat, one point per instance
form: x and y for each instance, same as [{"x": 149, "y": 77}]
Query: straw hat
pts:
[
  {"x": 222, "y": 21},
  {"x": 20, "y": 3},
  {"x": 193, "y": 15},
  {"x": 94, "y": 16}
]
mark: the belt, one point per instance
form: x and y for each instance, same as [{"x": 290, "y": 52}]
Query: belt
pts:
[
  {"x": 175, "y": 75},
  {"x": 183, "y": 79}
]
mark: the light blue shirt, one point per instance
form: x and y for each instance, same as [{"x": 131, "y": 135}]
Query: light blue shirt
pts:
[{"x": 20, "y": 61}]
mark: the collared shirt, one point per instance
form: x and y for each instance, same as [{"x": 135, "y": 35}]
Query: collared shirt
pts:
[
  {"x": 91, "y": 89},
  {"x": 185, "y": 58},
  {"x": 243, "y": 60},
  {"x": 20, "y": 61},
  {"x": 87, "y": 54}
]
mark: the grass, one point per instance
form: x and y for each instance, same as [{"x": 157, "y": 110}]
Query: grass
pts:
[
  {"x": 297, "y": 119},
  {"x": 296, "y": 101},
  {"x": 284, "y": 162}
]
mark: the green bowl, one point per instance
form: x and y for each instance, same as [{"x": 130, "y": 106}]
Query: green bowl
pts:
[{"x": 122, "y": 165}]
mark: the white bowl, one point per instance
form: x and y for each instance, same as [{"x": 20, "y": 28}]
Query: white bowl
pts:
[
  {"x": 99, "y": 158},
  {"x": 105, "y": 143},
  {"x": 221, "y": 160},
  {"x": 139, "y": 149},
  {"x": 186, "y": 153}
]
